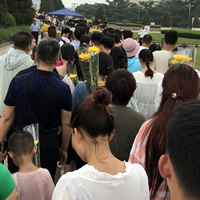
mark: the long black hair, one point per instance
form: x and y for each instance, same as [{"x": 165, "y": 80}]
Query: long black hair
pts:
[{"x": 147, "y": 57}]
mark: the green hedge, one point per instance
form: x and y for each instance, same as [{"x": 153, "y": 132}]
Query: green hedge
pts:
[
  {"x": 185, "y": 33},
  {"x": 9, "y": 20},
  {"x": 155, "y": 26},
  {"x": 125, "y": 24},
  {"x": 6, "y": 34}
]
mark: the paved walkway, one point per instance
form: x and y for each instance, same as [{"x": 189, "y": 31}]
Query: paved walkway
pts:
[{"x": 4, "y": 48}]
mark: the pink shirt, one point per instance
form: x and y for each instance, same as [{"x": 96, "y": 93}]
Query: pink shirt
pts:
[
  {"x": 34, "y": 185},
  {"x": 137, "y": 155},
  {"x": 59, "y": 63}
]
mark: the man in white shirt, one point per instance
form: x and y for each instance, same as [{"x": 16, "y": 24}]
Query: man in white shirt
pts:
[
  {"x": 142, "y": 32},
  {"x": 35, "y": 28},
  {"x": 161, "y": 58},
  {"x": 146, "y": 42},
  {"x": 64, "y": 38}
]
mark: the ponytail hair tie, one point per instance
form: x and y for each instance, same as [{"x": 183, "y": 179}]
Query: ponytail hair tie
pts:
[{"x": 176, "y": 97}]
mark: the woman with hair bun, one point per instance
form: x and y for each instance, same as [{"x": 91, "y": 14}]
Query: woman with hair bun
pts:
[
  {"x": 147, "y": 79},
  {"x": 104, "y": 176}
]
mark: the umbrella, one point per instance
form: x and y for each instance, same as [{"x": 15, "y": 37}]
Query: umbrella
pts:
[{"x": 65, "y": 12}]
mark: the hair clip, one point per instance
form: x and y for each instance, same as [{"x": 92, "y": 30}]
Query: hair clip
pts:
[{"x": 176, "y": 97}]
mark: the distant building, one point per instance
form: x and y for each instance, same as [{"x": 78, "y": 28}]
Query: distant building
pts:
[{"x": 36, "y": 4}]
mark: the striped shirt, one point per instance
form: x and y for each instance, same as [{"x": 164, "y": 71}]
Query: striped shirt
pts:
[{"x": 137, "y": 155}]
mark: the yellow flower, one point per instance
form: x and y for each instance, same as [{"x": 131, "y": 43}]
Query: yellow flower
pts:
[
  {"x": 36, "y": 142},
  {"x": 95, "y": 30},
  {"x": 174, "y": 62},
  {"x": 45, "y": 28},
  {"x": 73, "y": 76},
  {"x": 85, "y": 57},
  {"x": 58, "y": 32},
  {"x": 93, "y": 49},
  {"x": 180, "y": 59}
]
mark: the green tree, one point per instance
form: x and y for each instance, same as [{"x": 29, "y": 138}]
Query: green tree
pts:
[
  {"x": 21, "y": 10},
  {"x": 58, "y": 4},
  {"x": 9, "y": 20},
  {"x": 87, "y": 10},
  {"x": 196, "y": 22},
  {"x": 3, "y": 11},
  {"x": 100, "y": 14},
  {"x": 47, "y": 6},
  {"x": 146, "y": 19},
  {"x": 166, "y": 20}
]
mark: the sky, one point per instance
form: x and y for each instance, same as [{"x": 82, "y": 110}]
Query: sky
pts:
[{"x": 68, "y": 3}]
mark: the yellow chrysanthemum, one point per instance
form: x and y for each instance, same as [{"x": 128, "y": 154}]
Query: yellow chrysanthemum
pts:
[
  {"x": 84, "y": 57},
  {"x": 95, "y": 30},
  {"x": 180, "y": 59},
  {"x": 36, "y": 142},
  {"x": 73, "y": 76},
  {"x": 58, "y": 32},
  {"x": 174, "y": 62},
  {"x": 45, "y": 28},
  {"x": 93, "y": 49}
]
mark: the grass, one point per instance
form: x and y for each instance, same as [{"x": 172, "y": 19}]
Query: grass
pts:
[{"x": 6, "y": 34}]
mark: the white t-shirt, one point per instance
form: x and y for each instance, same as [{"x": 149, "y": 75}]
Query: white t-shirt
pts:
[
  {"x": 145, "y": 94},
  {"x": 161, "y": 60},
  {"x": 87, "y": 183},
  {"x": 143, "y": 32},
  {"x": 66, "y": 41},
  {"x": 141, "y": 47}
]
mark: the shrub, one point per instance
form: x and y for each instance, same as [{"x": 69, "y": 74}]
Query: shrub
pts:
[
  {"x": 125, "y": 24},
  {"x": 155, "y": 26},
  {"x": 9, "y": 20},
  {"x": 196, "y": 23},
  {"x": 185, "y": 33},
  {"x": 166, "y": 20}
]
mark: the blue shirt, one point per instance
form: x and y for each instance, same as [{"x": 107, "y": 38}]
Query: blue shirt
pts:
[
  {"x": 79, "y": 93},
  {"x": 35, "y": 27},
  {"x": 39, "y": 97},
  {"x": 76, "y": 44},
  {"x": 134, "y": 65}
]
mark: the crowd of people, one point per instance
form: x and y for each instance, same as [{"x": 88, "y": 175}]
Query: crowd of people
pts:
[{"x": 136, "y": 137}]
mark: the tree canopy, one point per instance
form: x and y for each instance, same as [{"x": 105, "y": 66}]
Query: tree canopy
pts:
[
  {"x": 118, "y": 10},
  {"x": 100, "y": 14},
  {"x": 50, "y": 5},
  {"x": 21, "y": 10}
]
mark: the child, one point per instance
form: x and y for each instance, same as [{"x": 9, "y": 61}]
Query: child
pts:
[{"x": 31, "y": 182}]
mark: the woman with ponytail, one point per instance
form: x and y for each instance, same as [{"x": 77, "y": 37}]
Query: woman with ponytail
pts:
[
  {"x": 147, "y": 81},
  {"x": 104, "y": 176},
  {"x": 180, "y": 84},
  {"x": 67, "y": 57}
]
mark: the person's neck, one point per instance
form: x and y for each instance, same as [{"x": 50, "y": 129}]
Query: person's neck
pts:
[
  {"x": 107, "y": 51},
  {"x": 98, "y": 154},
  {"x": 44, "y": 67},
  {"x": 145, "y": 45},
  {"x": 169, "y": 47},
  {"x": 25, "y": 50},
  {"x": 144, "y": 68},
  {"x": 26, "y": 164}
]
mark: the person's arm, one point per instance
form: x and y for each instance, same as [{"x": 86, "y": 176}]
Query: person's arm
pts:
[
  {"x": 6, "y": 121},
  {"x": 13, "y": 195},
  {"x": 66, "y": 134}
]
